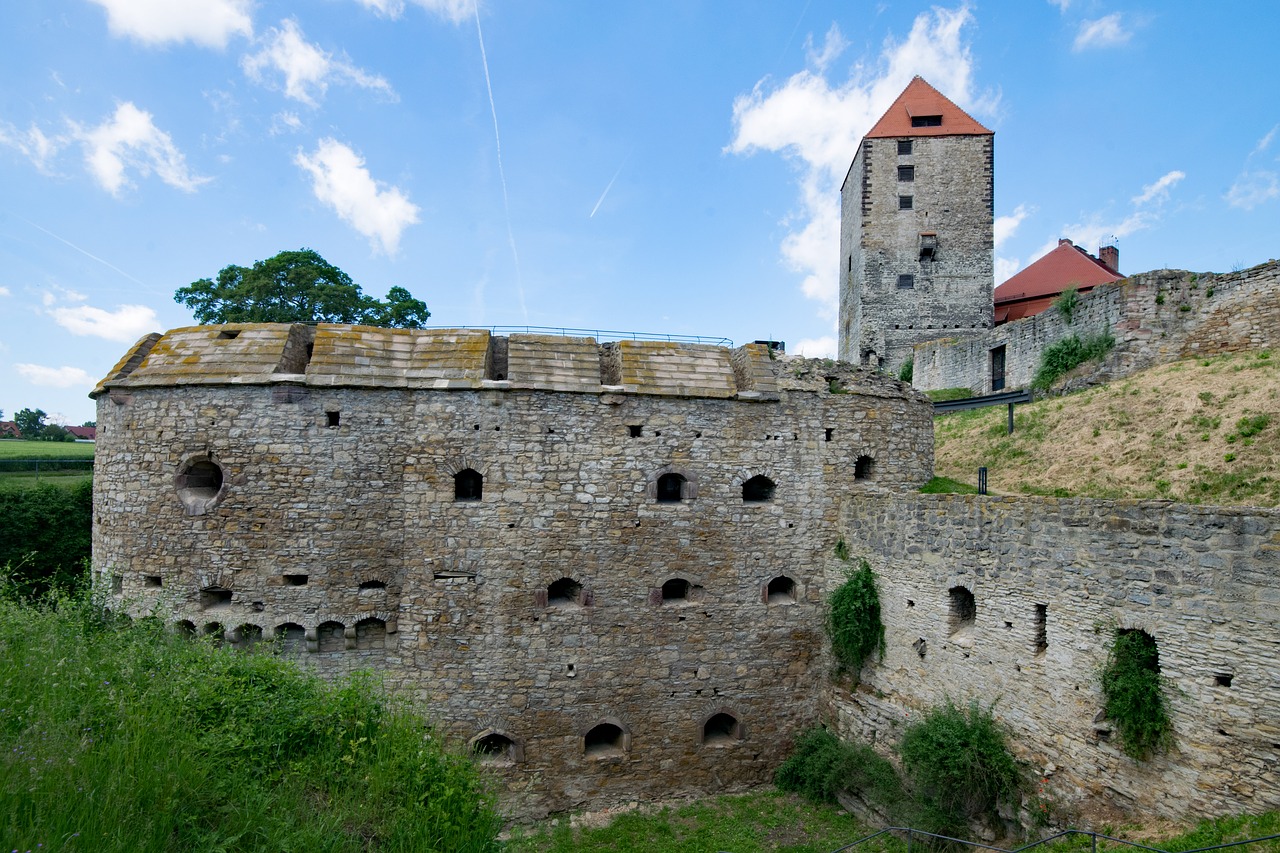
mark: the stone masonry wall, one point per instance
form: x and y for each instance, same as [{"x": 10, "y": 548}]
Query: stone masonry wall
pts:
[
  {"x": 952, "y": 197},
  {"x": 1155, "y": 317},
  {"x": 1203, "y": 581},
  {"x": 337, "y": 527}
]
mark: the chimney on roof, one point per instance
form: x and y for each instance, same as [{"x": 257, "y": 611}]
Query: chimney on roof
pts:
[
  {"x": 1110, "y": 257},
  {"x": 1064, "y": 240}
]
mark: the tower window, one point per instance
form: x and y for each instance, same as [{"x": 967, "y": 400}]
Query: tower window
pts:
[
  {"x": 926, "y": 121},
  {"x": 904, "y": 146},
  {"x": 906, "y": 281},
  {"x": 906, "y": 173},
  {"x": 758, "y": 489},
  {"x": 906, "y": 202},
  {"x": 671, "y": 488},
  {"x": 468, "y": 485}
]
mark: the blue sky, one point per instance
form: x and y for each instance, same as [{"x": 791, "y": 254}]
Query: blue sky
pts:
[{"x": 650, "y": 166}]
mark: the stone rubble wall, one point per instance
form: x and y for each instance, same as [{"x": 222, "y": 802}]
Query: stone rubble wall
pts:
[
  {"x": 337, "y": 522},
  {"x": 1203, "y": 581},
  {"x": 1155, "y": 317}
]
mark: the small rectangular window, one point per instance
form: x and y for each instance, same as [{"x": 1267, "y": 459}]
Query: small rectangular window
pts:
[
  {"x": 295, "y": 580},
  {"x": 635, "y": 430},
  {"x": 926, "y": 121},
  {"x": 904, "y": 146},
  {"x": 906, "y": 282},
  {"x": 906, "y": 173},
  {"x": 332, "y": 418},
  {"x": 906, "y": 202}
]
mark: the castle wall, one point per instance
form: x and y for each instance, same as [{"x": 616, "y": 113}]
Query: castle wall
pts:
[
  {"x": 951, "y": 195},
  {"x": 337, "y": 523},
  {"x": 1203, "y": 581},
  {"x": 1155, "y": 317}
]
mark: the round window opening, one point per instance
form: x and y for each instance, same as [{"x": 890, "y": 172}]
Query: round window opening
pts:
[{"x": 199, "y": 483}]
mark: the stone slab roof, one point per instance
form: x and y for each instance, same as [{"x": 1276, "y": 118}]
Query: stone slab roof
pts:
[{"x": 332, "y": 355}]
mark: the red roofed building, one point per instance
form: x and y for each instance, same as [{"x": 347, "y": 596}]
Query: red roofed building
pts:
[
  {"x": 916, "y": 230},
  {"x": 9, "y": 429},
  {"x": 86, "y": 433},
  {"x": 1035, "y": 288}
]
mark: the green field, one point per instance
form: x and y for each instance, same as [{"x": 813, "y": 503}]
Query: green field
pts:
[{"x": 12, "y": 448}]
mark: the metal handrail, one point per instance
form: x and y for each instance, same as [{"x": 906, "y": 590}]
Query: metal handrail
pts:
[
  {"x": 598, "y": 334},
  {"x": 1094, "y": 836}
]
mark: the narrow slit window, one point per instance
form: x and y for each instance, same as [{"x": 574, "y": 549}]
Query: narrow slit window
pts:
[
  {"x": 1042, "y": 628},
  {"x": 963, "y": 610}
]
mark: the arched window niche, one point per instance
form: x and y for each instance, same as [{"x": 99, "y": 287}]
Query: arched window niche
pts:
[
  {"x": 758, "y": 490},
  {"x": 780, "y": 591},
  {"x": 721, "y": 729},
  {"x": 495, "y": 747},
  {"x": 607, "y": 739},
  {"x": 199, "y": 483},
  {"x": 468, "y": 485}
]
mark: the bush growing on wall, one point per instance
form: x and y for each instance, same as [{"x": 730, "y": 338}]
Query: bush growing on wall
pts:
[
  {"x": 853, "y": 620},
  {"x": 958, "y": 767},
  {"x": 1068, "y": 354},
  {"x": 1132, "y": 695},
  {"x": 823, "y": 766}
]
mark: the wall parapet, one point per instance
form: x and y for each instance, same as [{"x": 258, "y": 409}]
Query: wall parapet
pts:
[{"x": 1155, "y": 317}]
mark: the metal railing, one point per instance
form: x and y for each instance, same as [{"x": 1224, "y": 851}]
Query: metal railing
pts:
[
  {"x": 598, "y": 334},
  {"x": 912, "y": 834}
]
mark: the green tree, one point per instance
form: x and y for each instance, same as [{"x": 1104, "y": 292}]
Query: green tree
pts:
[
  {"x": 30, "y": 422},
  {"x": 54, "y": 432},
  {"x": 296, "y": 287}
]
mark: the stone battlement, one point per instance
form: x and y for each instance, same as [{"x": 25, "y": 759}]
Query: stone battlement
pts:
[{"x": 330, "y": 355}]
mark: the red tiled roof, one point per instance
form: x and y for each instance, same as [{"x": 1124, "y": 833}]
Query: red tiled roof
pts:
[
  {"x": 90, "y": 433},
  {"x": 921, "y": 99},
  {"x": 1066, "y": 266},
  {"x": 10, "y": 428}
]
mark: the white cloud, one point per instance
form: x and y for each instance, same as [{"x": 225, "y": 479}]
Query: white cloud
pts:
[
  {"x": 210, "y": 23},
  {"x": 823, "y": 347},
  {"x": 1005, "y": 268},
  {"x": 1252, "y": 188},
  {"x": 130, "y": 139},
  {"x": 285, "y": 122},
  {"x": 1062, "y": 5},
  {"x": 1007, "y": 226},
  {"x": 340, "y": 180},
  {"x": 55, "y": 377},
  {"x": 126, "y": 324},
  {"x": 817, "y": 123},
  {"x": 4, "y": 291},
  {"x": 1106, "y": 31},
  {"x": 307, "y": 69},
  {"x": 1159, "y": 191},
  {"x": 33, "y": 144},
  {"x": 454, "y": 11}
]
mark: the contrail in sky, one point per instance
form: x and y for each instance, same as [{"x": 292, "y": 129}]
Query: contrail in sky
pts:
[
  {"x": 506, "y": 203},
  {"x": 82, "y": 251},
  {"x": 792, "y": 36},
  {"x": 606, "y": 189}
]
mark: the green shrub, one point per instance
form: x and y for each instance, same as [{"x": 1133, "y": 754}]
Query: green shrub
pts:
[
  {"x": 1132, "y": 694},
  {"x": 958, "y": 767},
  {"x": 1066, "y": 303},
  {"x": 46, "y": 532},
  {"x": 823, "y": 766},
  {"x": 1068, "y": 354},
  {"x": 907, "y": 371},
  {"x": 853, "y": 620},
  {"x": 1251, "y": 425},
  {"x": 129, "y": 738}
]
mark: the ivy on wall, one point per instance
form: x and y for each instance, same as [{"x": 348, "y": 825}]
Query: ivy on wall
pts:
[
  {"x": 1132, "y": 694},
  {"x": 853, "y": 619}
]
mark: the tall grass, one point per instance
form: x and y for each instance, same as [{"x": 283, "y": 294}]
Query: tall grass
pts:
[{"x": 127, "y": 738}]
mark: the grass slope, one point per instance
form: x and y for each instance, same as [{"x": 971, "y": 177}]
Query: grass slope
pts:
[
  {"x": 1200, "y": 431},
  {"x": 14, "y": 448},
  {"x": 128, "y": 738}
]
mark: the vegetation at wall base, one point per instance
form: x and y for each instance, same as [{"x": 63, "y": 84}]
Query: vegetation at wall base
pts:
[
  {"x": 941, "y": 395},
  {"x": 117, "y": 737},
  {"x": 958, "y": 766},
  {"x": 1069, "y": 353},
  {"x": 46, "y": 536},
  {"x": 853, "y": 619},
  {"x": 1133, "y": 696},
  {"x": 907, "y": 371},
  {"x": 1067, "y": 303},
  {"x": 823, "y": 766}
]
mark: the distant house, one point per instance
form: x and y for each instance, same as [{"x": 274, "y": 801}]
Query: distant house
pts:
[
  {"x": 1033, "y": 289},
  {"x": 85, "y": 433},
  {"x": 8, "y": 429}
]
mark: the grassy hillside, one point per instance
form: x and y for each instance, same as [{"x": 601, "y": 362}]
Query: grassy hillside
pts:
[
  {"x": 1199, "y": 431},
  {"x": 16, "y": 448}
]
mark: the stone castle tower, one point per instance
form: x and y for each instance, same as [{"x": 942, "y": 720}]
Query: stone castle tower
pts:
[{"x": 916, "y": 231}]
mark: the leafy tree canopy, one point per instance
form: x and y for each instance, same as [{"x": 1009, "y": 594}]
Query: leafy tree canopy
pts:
[
  {"x": 30, "y": 422},
  {"x": 296, "y": 287}
]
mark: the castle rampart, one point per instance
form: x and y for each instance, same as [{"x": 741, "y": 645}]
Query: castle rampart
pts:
[
  {"x": 1155, "y": 317},
  {"x": 1051, "y": 580},
  {"x": 601, "y": 563}
]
